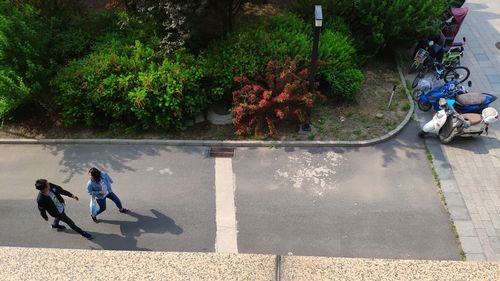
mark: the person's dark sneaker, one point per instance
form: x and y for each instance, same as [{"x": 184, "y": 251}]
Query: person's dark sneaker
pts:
[
  {"x": 123, "y": 210},
  {"x": 58, "y": 227},
  {"x": 94, "y": 218},
  {"x": 87, "y": 235}
]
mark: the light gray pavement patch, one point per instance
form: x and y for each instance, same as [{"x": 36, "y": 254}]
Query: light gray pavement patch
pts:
[
  {"x": 378, "y": 201},
  {"x": 170, "y": 191},
  {"x": 471, "y": 166}
]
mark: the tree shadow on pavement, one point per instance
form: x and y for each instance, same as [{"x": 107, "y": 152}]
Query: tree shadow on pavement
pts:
[
  {"x": 131, "y": 230},
  {"x": 78, "y": 158}
]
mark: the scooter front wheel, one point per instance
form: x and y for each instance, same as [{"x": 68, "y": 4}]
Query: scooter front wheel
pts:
[
  {"x": 444, "y": 140},
  {"x": 424, "y": 106},
  {"x": 421, "y": 134}
]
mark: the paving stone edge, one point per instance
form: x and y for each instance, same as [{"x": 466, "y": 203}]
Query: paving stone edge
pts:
[
  {"x": 455, "y": 205},
  {"x": 231, "y": 143}
]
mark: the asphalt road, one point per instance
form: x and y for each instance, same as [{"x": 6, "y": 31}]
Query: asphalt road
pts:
[
  {"x": 373, "y": 202},
  {"x": 378, "y": 201},
  {"x": 170, "y": 191}
]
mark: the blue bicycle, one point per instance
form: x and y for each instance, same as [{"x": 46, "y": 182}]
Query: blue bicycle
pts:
[{"x": 447, "y": 73}]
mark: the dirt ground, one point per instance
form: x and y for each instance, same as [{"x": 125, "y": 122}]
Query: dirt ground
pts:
[{"x": 368, "y": 118}]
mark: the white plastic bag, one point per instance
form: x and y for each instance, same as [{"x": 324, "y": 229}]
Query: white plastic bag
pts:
[{"x": 94, "y": 207}]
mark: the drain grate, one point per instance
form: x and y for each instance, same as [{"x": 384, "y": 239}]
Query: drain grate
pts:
[
  {"x": 497, "y": 44},
  {"x": 226, "y": 152}
]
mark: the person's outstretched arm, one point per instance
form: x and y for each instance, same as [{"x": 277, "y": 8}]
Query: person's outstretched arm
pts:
[{"x": 64, "y": 192}]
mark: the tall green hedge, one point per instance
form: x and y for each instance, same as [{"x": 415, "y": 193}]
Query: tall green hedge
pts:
[
  {"x": 382, "y": 23},
  {"x": 21, "y": 59}
]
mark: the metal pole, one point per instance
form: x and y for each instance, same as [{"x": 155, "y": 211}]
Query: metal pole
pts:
[
  {"x": 392, "y": 94},
  {"x": 314, "y": 59}
]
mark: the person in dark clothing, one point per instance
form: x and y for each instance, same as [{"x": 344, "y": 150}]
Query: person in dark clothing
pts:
[{"x": 50, "y": 201}]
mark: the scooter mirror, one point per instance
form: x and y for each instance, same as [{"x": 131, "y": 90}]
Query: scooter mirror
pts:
[
  {"x": 442, "y": 102},
  {"x": 469, "y": 83}
]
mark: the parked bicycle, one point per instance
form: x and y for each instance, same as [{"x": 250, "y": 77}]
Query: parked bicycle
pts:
[
  {"x": 450, "y": 73},
  {"x": 425, "y": 56}
]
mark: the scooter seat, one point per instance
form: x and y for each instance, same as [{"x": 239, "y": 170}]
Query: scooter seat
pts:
[
  {"x": 471, "y": 98},
  {"x": 473, "y": 118}
]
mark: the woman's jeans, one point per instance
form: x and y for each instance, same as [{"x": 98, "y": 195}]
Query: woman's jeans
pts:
[{"x": 102, "y": 202}]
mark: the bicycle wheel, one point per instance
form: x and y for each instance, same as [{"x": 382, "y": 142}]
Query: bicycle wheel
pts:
[
  {"x": 419, "y": 76},
  {"x": 459, "y": 73}
]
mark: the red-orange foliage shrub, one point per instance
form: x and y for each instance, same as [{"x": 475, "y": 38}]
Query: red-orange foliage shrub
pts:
[{"x": 282, "y": 94}]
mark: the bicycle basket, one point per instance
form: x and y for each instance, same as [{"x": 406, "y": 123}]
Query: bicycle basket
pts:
[{"x": 421, "y": 55}]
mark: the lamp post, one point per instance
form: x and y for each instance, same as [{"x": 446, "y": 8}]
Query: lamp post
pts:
[{"x": 318, "y": 22}]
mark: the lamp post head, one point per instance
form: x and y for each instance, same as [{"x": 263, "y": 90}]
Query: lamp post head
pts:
[{"x": 318, "y": 16}]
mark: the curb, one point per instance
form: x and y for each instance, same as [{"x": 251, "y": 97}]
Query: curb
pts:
[{"x": 385, "y": 137}]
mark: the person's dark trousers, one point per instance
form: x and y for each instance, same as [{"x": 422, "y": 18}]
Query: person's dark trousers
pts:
[
  {"x": 102, "y": 202},
  {"x": 63, "y": 217}
]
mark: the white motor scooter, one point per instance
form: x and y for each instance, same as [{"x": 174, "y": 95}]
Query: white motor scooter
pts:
[{"x": 448, "y": 124}]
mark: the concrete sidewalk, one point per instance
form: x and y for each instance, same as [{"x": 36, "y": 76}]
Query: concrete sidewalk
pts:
[
  {"x": 56, "y": 264},
  {"x": 469, "y": 169}
]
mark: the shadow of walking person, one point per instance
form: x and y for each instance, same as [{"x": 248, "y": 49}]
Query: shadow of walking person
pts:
[
  {"x": 131, "y": 230},
  {"x": 116, "y": 242},
  {"x": 159, "y": 223}
]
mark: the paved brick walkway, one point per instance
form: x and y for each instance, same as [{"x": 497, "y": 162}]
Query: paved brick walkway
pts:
[{"x": 470, "y": 169}]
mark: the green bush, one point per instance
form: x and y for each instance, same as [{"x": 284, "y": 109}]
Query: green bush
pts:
[
  {"x": 245, "y": 52},
  {"x": 21, "y": 64},
  {"x": 339, "y": 69},
  {"x": 342, "y": 85},
  {"x": 118, "y": 84}
]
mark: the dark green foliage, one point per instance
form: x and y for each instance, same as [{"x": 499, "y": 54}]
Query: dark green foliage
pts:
[
  {"x": 72, "y": 34},
  {"x": 119, "y": 85},
  {"x": 384, "y": 23},
  {"x": 246, "y": 52},
  {"x": 21, "y": 61}
]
